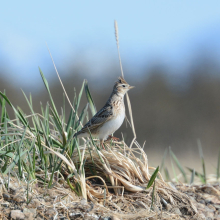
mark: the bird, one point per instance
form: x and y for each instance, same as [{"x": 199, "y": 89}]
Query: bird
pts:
[{"x": 109, "y": 118}]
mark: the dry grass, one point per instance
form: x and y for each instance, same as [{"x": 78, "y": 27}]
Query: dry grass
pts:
[{"x": 115, "y": 179}]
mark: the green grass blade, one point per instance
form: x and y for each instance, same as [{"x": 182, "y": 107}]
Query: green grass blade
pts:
[
  {"x": 31, "y": 108},
  {"x": 14, "y": 161},
  {"x": 72, "y": 187},
  {"x": 28, "y": 189},
  {"x": 69, "y": 121},
  {"x": 57, "y": 122},
  {"x": 48, "y": 90},
  {"x": 3, "y": 110},
  {"x": 192, "y": 177},
  {"x": 19, "y": 152},
  {"x": 173, "y": 168},
  {"x": 17, "y": 113},
  {"x": 163, "y": 160},
  {"x": 81, "y": 118},
  {"x": 202, "y": 159},
  {"x": 64, "y": 110},
  {"x": 197, "y": 174},
  {"x": 34, "y": 161},
  {"x": 42, "y": 109},
  {"x": 179, "y": 166},
  {"x": 31, "y": 159},
  {"x": 72, "y": 118},
  {"x": 7, "y": 153},
  {"x": 6, "y": 129},
  {"x": 51, "y": 158},
  {"x": 79, "y": 96},
  {"x": 90, "y": 100},
  {"x": 153, "y": 177},
  {"x": 97, "y": 150},
  {"x": 167, "y": 174},
  {"x": 152, "y": 199},
  {"x": 5, "y": 98}
]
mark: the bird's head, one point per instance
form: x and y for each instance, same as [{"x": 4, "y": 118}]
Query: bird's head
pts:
[{"x": 121, "y": 86}]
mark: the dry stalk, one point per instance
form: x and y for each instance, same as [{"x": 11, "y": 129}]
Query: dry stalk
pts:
[
  {"x": 64, "y": 88},
  {"x": 131, "y": 173},
  {"x": 127, "y": 97}
]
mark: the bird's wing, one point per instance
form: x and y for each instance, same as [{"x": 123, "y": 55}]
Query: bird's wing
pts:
[{"x": 98, "y": 119}]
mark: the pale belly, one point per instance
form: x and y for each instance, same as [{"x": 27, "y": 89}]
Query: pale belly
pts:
[{"x": 111, "y": 126}]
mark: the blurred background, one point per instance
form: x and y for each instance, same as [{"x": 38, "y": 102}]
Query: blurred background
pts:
[{"x": 170, "y": 52}]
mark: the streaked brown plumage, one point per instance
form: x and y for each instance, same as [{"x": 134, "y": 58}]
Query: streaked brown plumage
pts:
[{"x": 108, "y": 119}]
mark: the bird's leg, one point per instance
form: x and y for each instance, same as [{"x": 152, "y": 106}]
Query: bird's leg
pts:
[
  {"x": 102, "y": 143},
  {"x": 110, "y": 137}
]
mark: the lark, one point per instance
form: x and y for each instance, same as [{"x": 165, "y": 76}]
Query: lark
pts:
[{"x": 109, "y": 118}]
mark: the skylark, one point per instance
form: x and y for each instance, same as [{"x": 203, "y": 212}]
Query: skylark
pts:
[{"x": 108, "y": 119}]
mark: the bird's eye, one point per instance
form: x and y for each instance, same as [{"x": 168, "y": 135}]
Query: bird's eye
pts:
[{"x": 123, "y": 85}]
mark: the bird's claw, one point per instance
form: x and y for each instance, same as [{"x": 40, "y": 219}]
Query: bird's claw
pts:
[{"x": 110, "y": 137}]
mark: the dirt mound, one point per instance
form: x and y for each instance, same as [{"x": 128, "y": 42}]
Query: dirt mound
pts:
[{"x": 61, "y": 203}]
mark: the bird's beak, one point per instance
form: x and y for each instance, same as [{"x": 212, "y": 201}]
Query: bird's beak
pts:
[{"x": 131, "y": 87}]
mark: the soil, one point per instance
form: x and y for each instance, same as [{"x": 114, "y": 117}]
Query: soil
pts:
[{"x": 62, "y": 203}]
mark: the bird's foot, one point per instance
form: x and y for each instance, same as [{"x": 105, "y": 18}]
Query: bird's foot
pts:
[{"x": 110, "y": 137}]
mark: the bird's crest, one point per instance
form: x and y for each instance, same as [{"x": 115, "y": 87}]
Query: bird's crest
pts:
[{"x": 121, "y": 80}]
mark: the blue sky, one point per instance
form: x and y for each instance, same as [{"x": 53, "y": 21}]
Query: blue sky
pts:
[{"x": 172, "y": 31}]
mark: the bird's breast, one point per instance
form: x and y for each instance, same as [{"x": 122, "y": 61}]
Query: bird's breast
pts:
[{"x": 112, "y": 125}]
